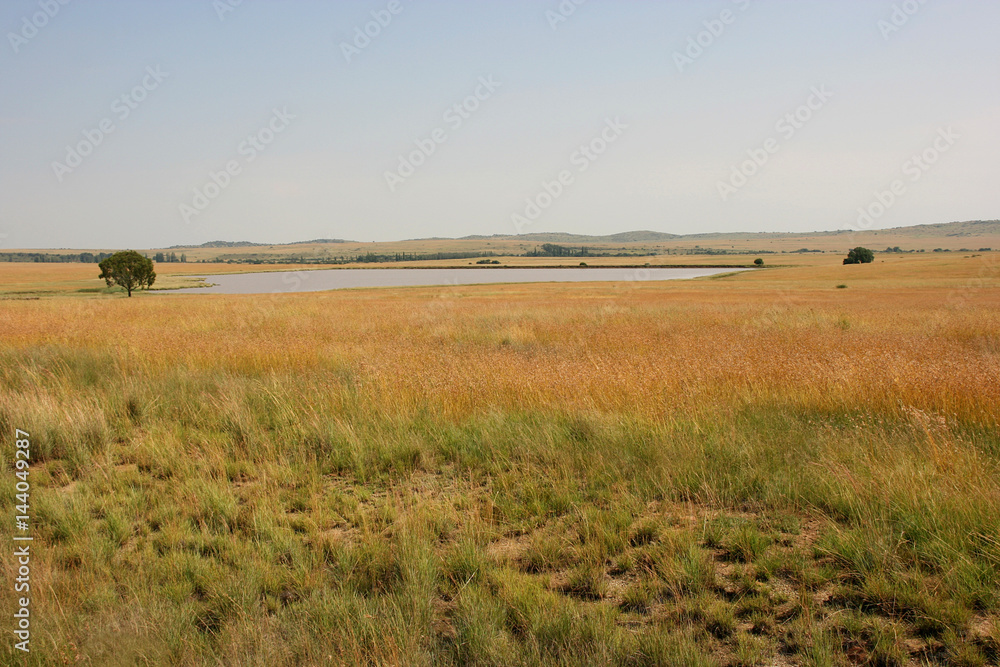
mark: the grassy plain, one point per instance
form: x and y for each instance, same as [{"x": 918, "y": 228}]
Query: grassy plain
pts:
[
  {"x": 952, "y": 236},
  {"x": 759, "y": 469}
]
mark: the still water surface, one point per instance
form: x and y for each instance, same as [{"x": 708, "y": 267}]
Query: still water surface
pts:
[{"x": 329, "y": 279}]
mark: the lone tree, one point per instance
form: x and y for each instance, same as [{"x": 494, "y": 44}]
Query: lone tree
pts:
[
  {"x": 128, "y": 269},
  {"x": 758, "y": 262},
  {"x": 859, "y": 255}
]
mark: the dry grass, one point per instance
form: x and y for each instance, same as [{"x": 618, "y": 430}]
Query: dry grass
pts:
[
  {"x": 636, "y": 349},
  {"x": 760, "y": 469}
]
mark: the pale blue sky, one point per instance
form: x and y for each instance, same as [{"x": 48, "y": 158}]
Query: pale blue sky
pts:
[{"x": 324, "y": 173}]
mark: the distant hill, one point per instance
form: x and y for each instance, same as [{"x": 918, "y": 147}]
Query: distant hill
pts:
[
  {"x": 565, "y": 237},
  {"x": 322, "y": 241},
  {"x": 967, "y": 228},
  {"x": 218, "y": 244},
  {"x": 945, "y": 229},
  {"x": 956, "y": 229},
  {"x": 251, "y": 244}
]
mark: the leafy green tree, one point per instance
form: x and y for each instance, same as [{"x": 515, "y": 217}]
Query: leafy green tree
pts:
[
  {"x": 128, "y": 269},
  {"x": 759, "y": 262},
  {"x": 859, "y": 255}
]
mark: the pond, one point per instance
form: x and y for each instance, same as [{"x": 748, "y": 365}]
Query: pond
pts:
[{"x": 331, "y": 279}]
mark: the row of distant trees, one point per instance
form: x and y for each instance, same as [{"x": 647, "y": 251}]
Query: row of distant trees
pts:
[
  {"x": 553, "y": 250},
  {"x": 84, "y": 257},
  {"x": 169, "y": 257},
  {"x": 48, "y": 257}
]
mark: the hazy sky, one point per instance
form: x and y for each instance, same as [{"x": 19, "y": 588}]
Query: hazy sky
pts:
[{"x": 114, "y": 117}]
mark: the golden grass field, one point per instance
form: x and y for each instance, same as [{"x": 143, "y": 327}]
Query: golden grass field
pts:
[{"x": 753, "y": 469}]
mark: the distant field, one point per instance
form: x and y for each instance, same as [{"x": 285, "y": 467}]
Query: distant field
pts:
[
  {"x": 49, "y": 279},
  {"x": 953, "y": 236},
  {"x": 793, "y": 466}
]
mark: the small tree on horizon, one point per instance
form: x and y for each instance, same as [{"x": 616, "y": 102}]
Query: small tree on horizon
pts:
[
  {"x": 859, "y": 255},
  {"x": 128, "y": 269}
]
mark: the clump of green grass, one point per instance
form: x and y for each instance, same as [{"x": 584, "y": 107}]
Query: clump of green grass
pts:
[
  {"x": 588, "y": 582},
  {"x": 689, "y": 573},
  {"x": 668, "y": 648},
  {"x": 644, "y": 532},
  {"x": 746, "y": 543},
  {"x": 878, "y": 639},
  {"x": 710, "y": 615},
  {"x": 374, "y": 567},
  {"x": 547, "y": 551},
  {"x": 602, "y": 534},
  {"x": 752, "y": 651},
  {"x": 641, "y": 595},
  {"x": 463, "y": 563}
]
